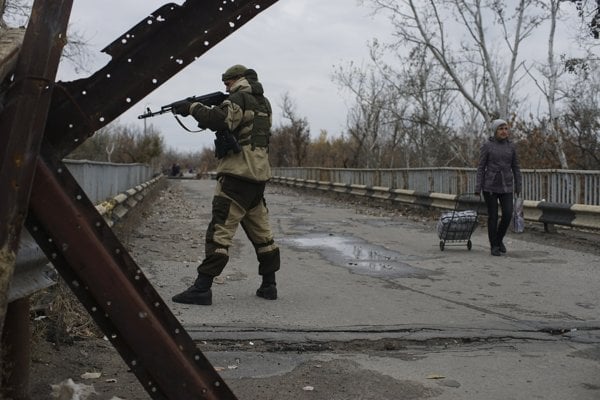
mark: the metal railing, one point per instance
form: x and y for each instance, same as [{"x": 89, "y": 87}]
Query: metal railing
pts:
[
  {"x": 551, "y": 185},
  {"x": 102, "y": 180}
]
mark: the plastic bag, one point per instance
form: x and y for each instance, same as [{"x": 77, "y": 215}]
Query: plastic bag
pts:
[{"x": 518, "y": 218}]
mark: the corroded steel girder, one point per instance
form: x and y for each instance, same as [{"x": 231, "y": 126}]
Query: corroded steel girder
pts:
[
  {"x": 75, "y": 237},
  {"x": 22, "y": 121},
  {"x": 112, "y": 287}
]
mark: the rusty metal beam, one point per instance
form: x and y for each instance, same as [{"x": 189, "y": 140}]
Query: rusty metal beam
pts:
[
  {"x": 16, "y": 351},
  {"x": 22, "y": 123},
  {"x": 115, "y": 291}
]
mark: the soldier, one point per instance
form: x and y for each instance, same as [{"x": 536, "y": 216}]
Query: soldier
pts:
[{"x": 242, "y": 172}]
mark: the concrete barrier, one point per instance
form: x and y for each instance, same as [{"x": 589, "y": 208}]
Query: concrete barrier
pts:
[{"x": 573, "y": 215}]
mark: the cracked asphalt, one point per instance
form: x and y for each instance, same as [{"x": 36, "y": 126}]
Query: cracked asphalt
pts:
[{"x": 370, "y": 308}]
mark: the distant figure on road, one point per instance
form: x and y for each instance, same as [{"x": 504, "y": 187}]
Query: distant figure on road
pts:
[
  {"x": 175, "y": 169},
  {"x": 242, "y": 172},
  {"x": 498, "y": 175}
]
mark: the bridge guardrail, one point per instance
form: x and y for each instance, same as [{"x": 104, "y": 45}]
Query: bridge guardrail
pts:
[
  {"x": 574, "y": 215},
  {"x": 552, "y": 185},
  {"x": 33, "y": 273}
]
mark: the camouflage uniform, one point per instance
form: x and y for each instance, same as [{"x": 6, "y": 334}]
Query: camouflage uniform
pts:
[{"x": 241, "y": 179}]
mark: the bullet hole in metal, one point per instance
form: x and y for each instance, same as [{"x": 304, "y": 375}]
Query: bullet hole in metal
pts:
[
  {"x": 78, "y": 197},
  {"x": 157, "y": 304},
  {"x": 65, "y": 247},
  {"x": 177, "y": 330},
  {"x": 124, "y": 41},
  {"x": 142, "y": 314},
  {"x": 83, "y": 92},
  {"x": 155, "y": 81},
  {"x": 101, "y": 119},
  {"x": 113, "y": 336},
  {"x": 94, "y": 309},
  {"x": 54, "y": 256},
  {"x": 129, "y": 60},
  {"x": 49, "y": 240},
  {"x": 128, "y": 100},
  {"x": 217, "y": 384},
  {"x": 118, "y": 251},
  {"x": 206, "y": 42},
  {"x": 59, "y": 170},
  {"x": 179, "y": 61},
  {"x": 70, "y": 125},
  {"x": 160, "y": 18},
  {"x": 137, "y": 278},
  {"x": 98, "y": 224},
  {"x": 108, "y": 303},
  {"x": 75, "y": 284},
  {"x": 108, "y": 76},
  {"x": 133, "y": 362},
  {"x": 231, "y": 25}
]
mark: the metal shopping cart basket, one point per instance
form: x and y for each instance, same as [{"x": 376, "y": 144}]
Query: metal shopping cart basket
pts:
[{"x": 456, "y": 227}]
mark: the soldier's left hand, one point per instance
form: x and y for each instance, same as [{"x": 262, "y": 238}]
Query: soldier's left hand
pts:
[{"x": 183, "y": 108}]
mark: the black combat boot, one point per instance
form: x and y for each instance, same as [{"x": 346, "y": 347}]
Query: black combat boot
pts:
[
  {"x": 199, "y": 293},
  {"x": 268, "y": 288}
]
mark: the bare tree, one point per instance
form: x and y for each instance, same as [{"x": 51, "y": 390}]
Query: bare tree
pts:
[
  {"x": 365, "y": 119},
  {"x": 16, "y": 11},
  {"x": 461, "y": 35},
  {"x": 296, "y": 134},
  {"x": 551, "y": 73},
  {"x": 76, "y": 51}
]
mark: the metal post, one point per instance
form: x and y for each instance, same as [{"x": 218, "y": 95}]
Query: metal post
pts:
[{"x": 16, "y": 351}]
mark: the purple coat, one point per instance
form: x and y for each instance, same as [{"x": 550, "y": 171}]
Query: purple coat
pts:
[{"x": 498, "y": 170}]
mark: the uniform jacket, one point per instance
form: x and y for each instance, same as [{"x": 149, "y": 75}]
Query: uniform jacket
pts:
[
  {"x": 498, "y": 170},
  {"x": 239, "y": 114}
]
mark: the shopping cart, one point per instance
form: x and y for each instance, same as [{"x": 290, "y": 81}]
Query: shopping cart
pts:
[{"x": 456, "y": 227}]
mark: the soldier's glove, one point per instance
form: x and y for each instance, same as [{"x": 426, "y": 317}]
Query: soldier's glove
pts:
[{"x": 182, "y": 108}]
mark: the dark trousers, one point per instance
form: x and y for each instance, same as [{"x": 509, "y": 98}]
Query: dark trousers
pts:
[{"x": 496, "y": 231}]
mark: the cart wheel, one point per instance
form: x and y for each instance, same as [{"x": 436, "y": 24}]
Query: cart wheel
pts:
[
  {"x": 469, "y": 245},
  {"x": 441, "y": 245}
]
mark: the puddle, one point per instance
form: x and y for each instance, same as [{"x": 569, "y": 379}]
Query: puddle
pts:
[{"x": 360, "y": 257}]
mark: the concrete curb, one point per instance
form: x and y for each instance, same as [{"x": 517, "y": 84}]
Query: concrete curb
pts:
[
  {"x": 116, "y": 209},
  {"x": 574, "y": 215}
]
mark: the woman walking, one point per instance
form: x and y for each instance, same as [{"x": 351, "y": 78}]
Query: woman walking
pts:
[{"x": 498, "y": 175}]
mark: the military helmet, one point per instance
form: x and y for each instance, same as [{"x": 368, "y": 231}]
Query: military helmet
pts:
[{"x": 234, "y": 72}]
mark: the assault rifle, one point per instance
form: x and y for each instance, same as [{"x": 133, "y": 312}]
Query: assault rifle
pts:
[
  {"x": 225, "y": 142},
  {"x": 211, "y": 99}
]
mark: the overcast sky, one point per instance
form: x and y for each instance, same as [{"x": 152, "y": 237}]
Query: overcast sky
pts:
[{"x": 293, "y": 45}]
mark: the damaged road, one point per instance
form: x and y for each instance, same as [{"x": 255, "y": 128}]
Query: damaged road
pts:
[{"x": 370, "y": 308}]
